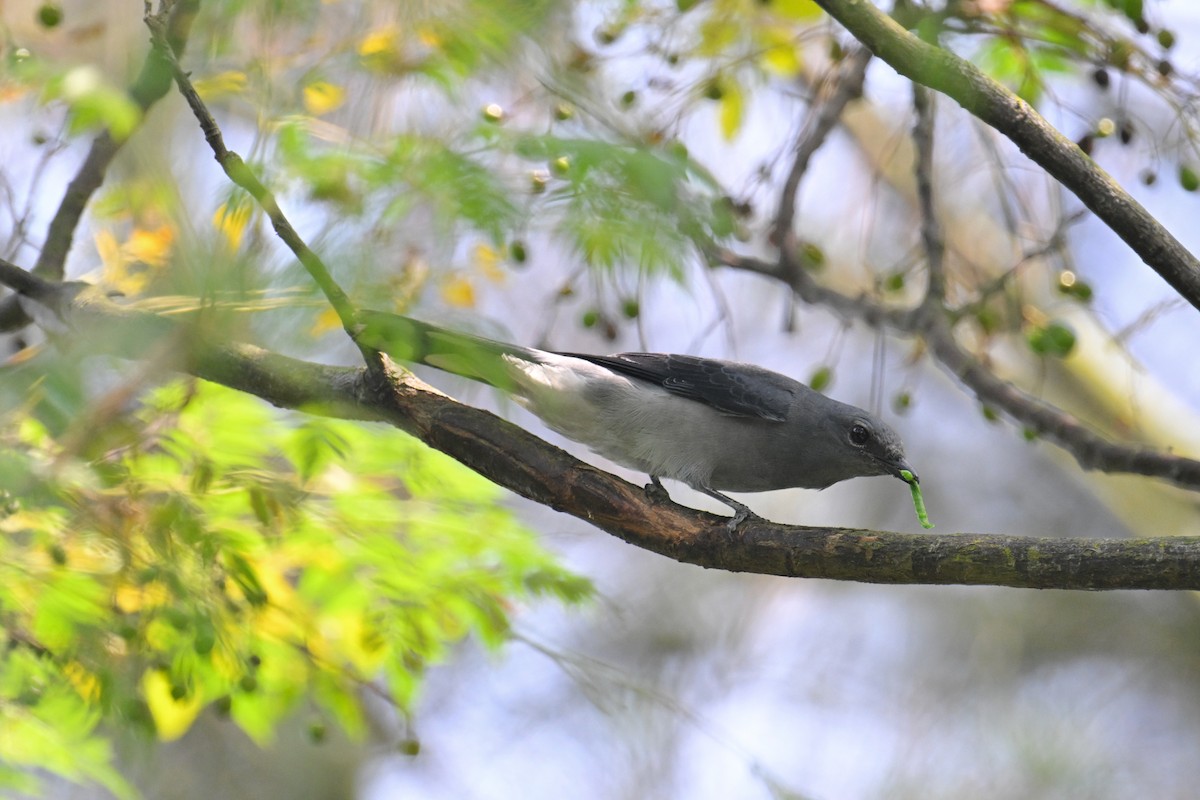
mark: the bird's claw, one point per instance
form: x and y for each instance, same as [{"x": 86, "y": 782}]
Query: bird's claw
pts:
[
  {"x": 655, "y": 490},
  {"x": 741, "y": 515}
]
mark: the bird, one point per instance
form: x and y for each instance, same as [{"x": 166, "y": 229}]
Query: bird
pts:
[{"x": 716, "y": 426}]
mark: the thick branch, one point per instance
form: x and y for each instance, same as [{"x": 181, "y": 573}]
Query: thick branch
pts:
[
  {"x": 521, "y": 462},
  {"x": 1039, "y": 140}
]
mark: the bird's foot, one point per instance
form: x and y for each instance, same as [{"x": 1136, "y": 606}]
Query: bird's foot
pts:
[
  {"x": 741, "y": 514},
  {"x": 655, "y": 490}
]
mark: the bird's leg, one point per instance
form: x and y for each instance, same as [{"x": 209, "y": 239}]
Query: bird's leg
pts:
[
  {"x": 741, "y": 512},
  {"x": 656, "y": 490}
]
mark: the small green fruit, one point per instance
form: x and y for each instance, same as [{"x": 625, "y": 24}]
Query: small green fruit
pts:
[
  {"x": 1188, "y": 178},
  {"x": 821, "y": 378},
  {"x": 50, "y": 15}
]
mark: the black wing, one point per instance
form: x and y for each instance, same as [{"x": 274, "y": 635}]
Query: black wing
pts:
[{"x": 735, "y": 389}]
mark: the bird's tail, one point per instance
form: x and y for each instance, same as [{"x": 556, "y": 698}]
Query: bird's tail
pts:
[{"x": 474, "y": 357}]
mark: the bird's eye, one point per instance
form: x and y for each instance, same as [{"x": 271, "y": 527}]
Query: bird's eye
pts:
[{"x": 859, "y": 435}]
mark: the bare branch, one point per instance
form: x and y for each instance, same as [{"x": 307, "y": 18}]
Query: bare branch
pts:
[
  {"x": 1089, "y": 448},
  {"x": 848, "y": 83},
  {"x": 150, "y": 86},
  {"x": 1000, "y": 108},
  {"x": 931, "y": 230}
]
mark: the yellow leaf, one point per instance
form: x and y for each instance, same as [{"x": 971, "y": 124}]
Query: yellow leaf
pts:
[
  {"x": 232, "y": 222},
  {"x": 322, "y": 97},
  {"x": 129, "y": 598},
  {"x": 172, "y": 717},
  {"x": 781, "y": 53},
  {"x": 429, "y": 37},
  {"x": 488, "y": 259},
  {"x": 87, "y": 684},
  {"x": 796, "y": 9},
  {"x": 717, "y": 34},
  {"x": 130, "y": 267},
  {"x": 381, "y": 50},
  {"x": 383, "y": 41},
  {"x": 404, "y": 285},
  {"x": 346, "y": 638},
  {"x": 109, "y": 250},
  {"x": 220, "y": 85},
  {"x": 459, "y": 292},
  {"x": 326, "y": 321},
  {"x": 150, "y": 246},
  {"x": 281, "y": 618},
  {"x": 733, "y": 109}
]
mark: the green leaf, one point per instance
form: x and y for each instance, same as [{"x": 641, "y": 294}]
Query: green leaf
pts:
[
  {"x": 94, "y": 103},
  {"x": 640, "y": 206},
  {"x": 1054, "y": 339}
]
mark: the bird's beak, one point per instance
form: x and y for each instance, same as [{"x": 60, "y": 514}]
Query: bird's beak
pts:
[{"x": 900, "y": 466}]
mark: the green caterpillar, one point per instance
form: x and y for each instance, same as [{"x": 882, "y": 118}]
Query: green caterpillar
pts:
[{"x": 918, "y": 501}]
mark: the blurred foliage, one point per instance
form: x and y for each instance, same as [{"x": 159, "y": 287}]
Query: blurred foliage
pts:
[
  {"x": 200, "y": 550},
  {"x": 1024, "y": 43}
]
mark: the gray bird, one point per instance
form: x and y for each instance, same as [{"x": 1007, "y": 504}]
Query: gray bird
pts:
[{"x": 714, "y": 425}]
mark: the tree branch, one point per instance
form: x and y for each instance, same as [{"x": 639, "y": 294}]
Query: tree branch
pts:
[
  {"x": 848, "y": 83},
  {"x": 237, "y": 171},
  {"x": 931, "y": 319},
  {"x": 151, "y": 85},
  {"x": 991, "y": 102},
  {"x": 519, "y": 461},
  {"x": 931, "y": 230},
  {"x": 1089, "y": 448}
]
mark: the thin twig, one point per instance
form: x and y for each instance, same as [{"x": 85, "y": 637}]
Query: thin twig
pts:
[
  {"x": 1091, "y": 449},
  {"x": 932, "y": 239},
  {"x": 848, "y": 87},
  {"x": 240, "y": 173},
  {"x": 175, "y": 20},
  {"x": 1003, "y": 110}
]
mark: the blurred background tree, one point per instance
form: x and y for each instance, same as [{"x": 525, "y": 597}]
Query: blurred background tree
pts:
[{"x": 203, "y": 595}]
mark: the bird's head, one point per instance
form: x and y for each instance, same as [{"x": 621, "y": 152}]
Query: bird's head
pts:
[{"x": 868, "y": 446}]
